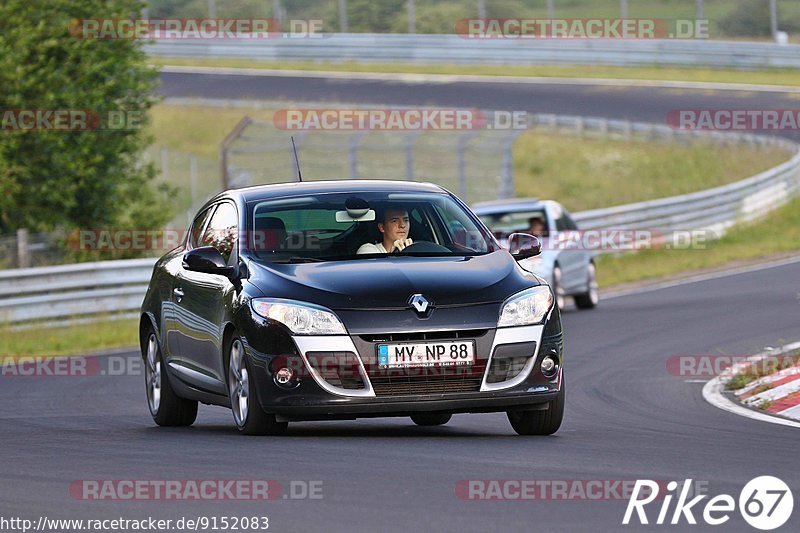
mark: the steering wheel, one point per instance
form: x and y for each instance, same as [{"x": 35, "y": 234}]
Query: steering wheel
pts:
[{"x": 425, "y": 247}]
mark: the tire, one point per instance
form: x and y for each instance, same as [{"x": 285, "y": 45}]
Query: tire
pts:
[
  {"x": 431, "y": 419},
  {"x": 248, "y": 416},
  {"x": 590, "y": 298},
  {"x": 558, "y": 290},
  {"x": 539, "y": 422},
  {"x": 166, "y": 407}
]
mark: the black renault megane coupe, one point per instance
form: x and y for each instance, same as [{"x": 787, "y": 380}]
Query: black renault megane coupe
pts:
[{"x": 348, "y": 299}]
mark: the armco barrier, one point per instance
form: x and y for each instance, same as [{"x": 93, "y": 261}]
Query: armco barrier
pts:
[
  {"x": 52, "y": 294},
  {"x": 423, "y": 48}
]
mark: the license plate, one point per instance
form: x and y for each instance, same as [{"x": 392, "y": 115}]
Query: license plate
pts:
[{"x": 411, "y": 355}]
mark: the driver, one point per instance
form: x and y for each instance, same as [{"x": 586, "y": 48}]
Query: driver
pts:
[
  {"x": 537, "y": 227},
  {"x": 394, "y": 226}
]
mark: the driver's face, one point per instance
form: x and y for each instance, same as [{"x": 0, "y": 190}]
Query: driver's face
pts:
[{"x": 395, "y": 226}]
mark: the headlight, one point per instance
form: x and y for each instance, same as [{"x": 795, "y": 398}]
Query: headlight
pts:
[
  {"x": 301, "y": 318},
  {"x": 527, "y": 307}
]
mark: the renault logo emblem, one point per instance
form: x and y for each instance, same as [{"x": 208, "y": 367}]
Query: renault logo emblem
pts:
[{"x": 419, "y": 303}]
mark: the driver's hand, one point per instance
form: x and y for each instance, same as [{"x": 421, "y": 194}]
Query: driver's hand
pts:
[{"x": 400, "y": 244}]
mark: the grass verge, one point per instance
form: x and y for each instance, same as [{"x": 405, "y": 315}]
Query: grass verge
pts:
[
  {"x": 76, "y": 339},
  {"x": 758, "y": 77},
  {"x": 588, "y": 173},
  {"x": 777, "y": 233}
]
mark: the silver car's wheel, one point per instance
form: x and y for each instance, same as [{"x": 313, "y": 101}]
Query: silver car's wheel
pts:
[
  {"x": 238, "y": 384},
  {"x": 558, "y": 287},
  {"x": 591, "y": 297},
  {"x": 153, "y": 375}
]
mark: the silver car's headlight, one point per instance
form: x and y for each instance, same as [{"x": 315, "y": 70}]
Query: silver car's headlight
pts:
[
  {"x": 527, "y": 307},
  {"x": 300, "y": 317}
]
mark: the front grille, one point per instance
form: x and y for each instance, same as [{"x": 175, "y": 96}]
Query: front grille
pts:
[
  {"x": 417, "y": 386},
  {"x": 426, "y": 336},
  {"x": 400, "y": 382}
]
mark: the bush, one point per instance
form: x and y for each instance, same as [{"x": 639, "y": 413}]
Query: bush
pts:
[{"x": 92, "y": 178}]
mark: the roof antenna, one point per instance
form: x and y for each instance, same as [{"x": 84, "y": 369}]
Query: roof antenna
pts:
[{"x": 297, "y": 161}]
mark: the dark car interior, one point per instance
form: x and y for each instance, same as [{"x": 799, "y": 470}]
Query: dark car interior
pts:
[{"x": 314, "y": 233}]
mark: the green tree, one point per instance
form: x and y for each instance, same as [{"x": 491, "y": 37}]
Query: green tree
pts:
[{"x": 91, "y": 178}]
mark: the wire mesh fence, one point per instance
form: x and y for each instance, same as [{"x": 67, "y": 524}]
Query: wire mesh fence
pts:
[
  {"x": 23, "y": 249},
  {"x": 194, "y": 179},
  {"x": 476, "y": 165}
]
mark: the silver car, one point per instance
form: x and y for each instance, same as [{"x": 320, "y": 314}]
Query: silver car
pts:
[{"x": 566, "y": 265}]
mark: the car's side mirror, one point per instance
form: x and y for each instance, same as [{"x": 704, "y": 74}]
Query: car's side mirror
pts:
[
  {"x": 523, "y": 246},
  {"x": 208, "y": 260}
]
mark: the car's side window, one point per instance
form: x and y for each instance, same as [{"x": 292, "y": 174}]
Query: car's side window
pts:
[
  {"x": 569, "y": 222},
  {"x": 456, "y": 224},
  {"x": 197, "y": 227},
  {"x": 222, "y": 232}
]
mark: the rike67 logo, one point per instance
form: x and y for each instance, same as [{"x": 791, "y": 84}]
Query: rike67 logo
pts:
[{"x": 765, "y": 503}]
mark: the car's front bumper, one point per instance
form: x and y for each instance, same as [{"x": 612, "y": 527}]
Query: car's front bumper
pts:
[{"x": 314, "y": 397}]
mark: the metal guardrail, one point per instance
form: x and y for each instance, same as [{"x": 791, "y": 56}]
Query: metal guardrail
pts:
[
  {"x": 424, "y": 48},
  {"x": 69, "y": 292},
  {"x": 52, "y": 294}
]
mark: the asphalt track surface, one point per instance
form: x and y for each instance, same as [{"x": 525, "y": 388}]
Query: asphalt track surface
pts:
[
  {"x": 627, "y": 417},
  {"x": 645, "y": 104}
]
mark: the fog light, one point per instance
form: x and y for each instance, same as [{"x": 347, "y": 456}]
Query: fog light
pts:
[
  {"x": 549, "y": 366},
  {"x": 284, "y": 376}
]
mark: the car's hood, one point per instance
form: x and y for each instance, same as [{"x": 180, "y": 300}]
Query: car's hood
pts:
[{"x": 389, "y": 282}]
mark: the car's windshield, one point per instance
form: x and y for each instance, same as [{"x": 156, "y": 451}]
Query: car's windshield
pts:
[
  {"x": 360, "y": 225},
  {"x": 503, "y": 224}
]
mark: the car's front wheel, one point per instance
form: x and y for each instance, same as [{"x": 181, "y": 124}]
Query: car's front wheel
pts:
[
  {"x": 544, "y": 422},
  {"x": 166, "y": 407},
  {"x": 431, "y": 419},
  {"x": 247, "y": 413}
]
